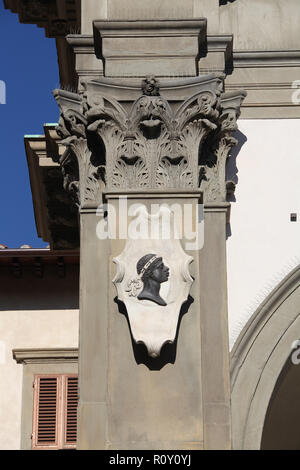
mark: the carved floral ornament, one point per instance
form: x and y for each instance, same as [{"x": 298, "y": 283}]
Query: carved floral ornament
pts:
[{"x": 149, "y": 147}]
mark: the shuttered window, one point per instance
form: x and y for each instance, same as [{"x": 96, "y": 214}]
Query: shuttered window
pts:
[
  {"x": 71, "y": 410},
  {"x": 55, "y": 412}
]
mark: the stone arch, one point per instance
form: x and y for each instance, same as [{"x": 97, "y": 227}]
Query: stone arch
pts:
[
  {"x": 281, "y": 426},
  {"x": 258, "y": 357}
]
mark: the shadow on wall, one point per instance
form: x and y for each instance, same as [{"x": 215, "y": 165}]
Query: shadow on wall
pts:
[
  {"x": 223, "y": 2},
  {"x": 281, "y": 426},
  {"x": 232, "y": 169},
  {"x": 49, "y": 292}
]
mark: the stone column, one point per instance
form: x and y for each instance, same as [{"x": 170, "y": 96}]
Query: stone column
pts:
[
  {"x": 154, "y": 358},
  {"x": 214, "y": 329},
  {"x": 93, "y": 341},
  {"x": 151, "y": 395},
  {"x": 155, "y": 403}
]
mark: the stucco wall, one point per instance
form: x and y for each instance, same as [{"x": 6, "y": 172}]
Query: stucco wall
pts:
[
  {"x": 256, "y": 24},
  {"x": 144, "y": 10},
  {"x": 264, "y": 244},
  {"x": 27, "y": 329},
  {"x": 35, "y": 312},
  {"x": 262, "y": 24}
]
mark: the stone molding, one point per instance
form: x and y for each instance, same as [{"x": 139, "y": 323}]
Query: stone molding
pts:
[
  {"x": 152, "y": 194},
  {"x": 45, "y": 356},
  {"x": 166, "y": 48},
  {"x": 219, "y": 208},
  {"x": 35, "y": 148},
  {"x": 255, "y": 59},
  {"x": 217, "y": 57},
  {"x": 150, "y": 147},
  {"x": 81, "y": 42},
  {"x": 214, "y": 51},
  {"x": 176, "y": 27},
  {"x": 174, "y": 91},
  {"x": 268, "y": 78},
  {"x": 87, "y": 65}
]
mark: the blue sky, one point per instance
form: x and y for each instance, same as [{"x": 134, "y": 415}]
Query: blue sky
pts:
[{"x": 28, "y": 66}]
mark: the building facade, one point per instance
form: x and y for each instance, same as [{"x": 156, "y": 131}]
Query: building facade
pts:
[{"x": 172, "y": 102}]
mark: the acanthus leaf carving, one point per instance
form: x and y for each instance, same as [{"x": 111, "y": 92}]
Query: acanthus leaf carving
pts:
[
  {"x": 149, "y": 147},
  {"x": 212, "y": 170}
]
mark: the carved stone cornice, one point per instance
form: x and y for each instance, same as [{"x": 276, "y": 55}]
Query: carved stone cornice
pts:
[
  {"x": 152, "y": 146},
  {"x": 40, "y": 263},
  {"x": 136, "y": 48},
  {"x": 87, "y": 64},
  {"x": 249, "y": 59},
  {"x": 175, "y": 90},
  {"x": 58, "y": 17},
  {"x": 217, "y": 55},
  {"x": 45, "y": 356},
  {"x": 55, "y": 212},
  {"x": 112, "y": 44}
]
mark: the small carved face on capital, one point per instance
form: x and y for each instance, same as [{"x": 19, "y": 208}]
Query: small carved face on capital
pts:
[{"x": 150, "y": 86}]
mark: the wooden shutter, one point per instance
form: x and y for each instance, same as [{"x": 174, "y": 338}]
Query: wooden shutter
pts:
[
  {"x": 46, "y": 412},
  {"x": 70, "y": 411},
  {"x": 55, "y": 412}
]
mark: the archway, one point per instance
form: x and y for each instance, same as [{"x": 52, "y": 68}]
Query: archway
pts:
[
  {"x": 260, "y": 363},
  {"x": 281, "y": 427}
]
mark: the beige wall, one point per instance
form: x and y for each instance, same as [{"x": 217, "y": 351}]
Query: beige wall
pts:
[
  {"x": 264, "y": 244},
  {"x": 27, "y": 329},
  {"x": 262, "y": 24},
  {"x": 256, "y": 24},
  {"x": 35, "y": 312},
  {"x": 145, "y": 10}
]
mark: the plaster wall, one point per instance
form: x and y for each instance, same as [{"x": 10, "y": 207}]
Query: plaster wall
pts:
[
  {"x": 256, "y": 25},
  {"x": 264, "y": 244},
  {"x": 145, "y": 10},
  {"x": 27, "y": 329},
  {"x": 262, "y": 24},
  {"x": 35, "y": 313}
]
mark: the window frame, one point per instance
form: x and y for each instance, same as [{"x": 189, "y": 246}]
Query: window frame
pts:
[
  {"x": 61, "y": 412},
  {"x": 40, "y": 362}
]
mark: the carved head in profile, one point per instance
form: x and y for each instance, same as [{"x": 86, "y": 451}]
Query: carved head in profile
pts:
[{"x": 152, "y": 272}]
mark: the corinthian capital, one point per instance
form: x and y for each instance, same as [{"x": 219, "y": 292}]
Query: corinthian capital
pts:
[{"x": 148, "y": 146}]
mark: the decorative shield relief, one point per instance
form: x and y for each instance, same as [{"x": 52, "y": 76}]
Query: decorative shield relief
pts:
[{"x": 153, "y": 281}]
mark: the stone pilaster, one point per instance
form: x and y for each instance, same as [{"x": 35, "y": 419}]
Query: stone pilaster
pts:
[
  {"x": 214, "y": 329},
  {"x": 94, "y": 335},
  {"x": 150, "y": 150}
]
